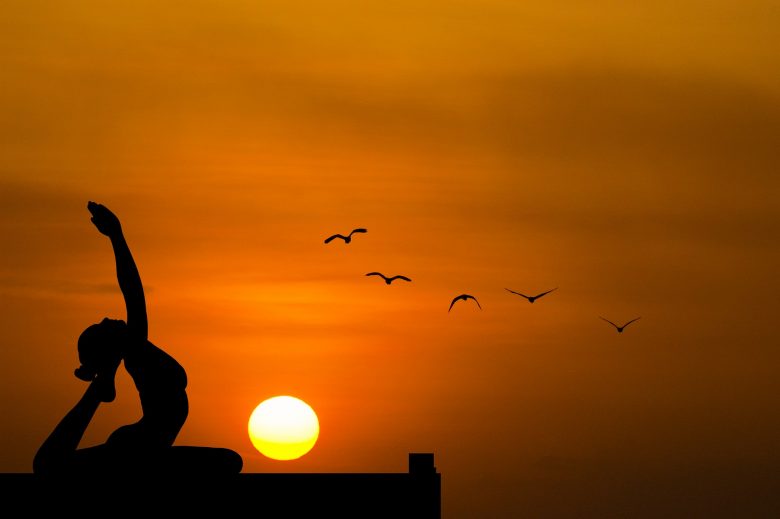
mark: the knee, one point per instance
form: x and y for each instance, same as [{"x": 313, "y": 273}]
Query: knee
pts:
[
  {"x": 41, "y": 465},
  {"x": 232, "y": 461}
]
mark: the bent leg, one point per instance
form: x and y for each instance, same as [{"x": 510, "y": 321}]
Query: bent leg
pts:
[
  {"x": 91, "y": 462},
  {"x": 200, "y": 461}
]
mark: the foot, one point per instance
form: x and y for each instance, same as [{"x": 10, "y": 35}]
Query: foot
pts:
[{"x": 105, "y": 389}]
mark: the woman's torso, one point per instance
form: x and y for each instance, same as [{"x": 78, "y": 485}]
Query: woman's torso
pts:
[{"x": 161, "y": 384}]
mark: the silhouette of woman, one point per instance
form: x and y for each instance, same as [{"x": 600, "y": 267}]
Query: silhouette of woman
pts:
[{"x": 146, "y": 445}]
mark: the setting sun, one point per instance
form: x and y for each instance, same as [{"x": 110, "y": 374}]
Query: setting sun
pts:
[{"x": 283, "y": 428}]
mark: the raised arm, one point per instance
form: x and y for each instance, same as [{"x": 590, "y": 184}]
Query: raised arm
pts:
[{"x": 126, "y": 271}]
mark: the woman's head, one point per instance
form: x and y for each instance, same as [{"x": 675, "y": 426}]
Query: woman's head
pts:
[{"x": 100, "y": 351}]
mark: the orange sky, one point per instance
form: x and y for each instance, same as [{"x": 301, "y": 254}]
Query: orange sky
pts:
[{"x": 625, "y": 153}]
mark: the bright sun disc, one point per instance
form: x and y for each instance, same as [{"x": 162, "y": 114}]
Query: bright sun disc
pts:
[{"x": 283, "y": 428}]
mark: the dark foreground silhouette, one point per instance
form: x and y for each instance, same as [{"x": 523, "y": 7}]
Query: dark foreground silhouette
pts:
[
  {"x": 147, "y": 445},
  {"x": 415, "y": 494}
]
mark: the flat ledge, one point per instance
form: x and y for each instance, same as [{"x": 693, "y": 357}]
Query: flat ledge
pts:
[{"x": 416, "y": 494}]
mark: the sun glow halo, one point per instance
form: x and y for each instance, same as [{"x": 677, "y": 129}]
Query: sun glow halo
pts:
[{"x": 283, "y": 428}]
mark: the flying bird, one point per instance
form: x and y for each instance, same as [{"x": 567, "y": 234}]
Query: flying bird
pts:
[
  {"x": 620, "y": 328},
  {"x": 464, "y": 297},
  {"x": 387, "y": 279},
  {"x": 531, "y": 299},
  {"x": 347, "y": 238}
]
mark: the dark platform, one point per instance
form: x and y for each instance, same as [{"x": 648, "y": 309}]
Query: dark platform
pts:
[{"x": 416, "y": 494}]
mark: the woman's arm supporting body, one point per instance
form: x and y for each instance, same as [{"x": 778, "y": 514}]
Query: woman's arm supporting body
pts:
[{"x": 54, "y": 454}]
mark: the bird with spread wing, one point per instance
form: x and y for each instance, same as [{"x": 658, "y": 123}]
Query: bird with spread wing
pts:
[
  {"x": 464, "y": 297},
  {"x": 347, "y": 238},
  {"x": 388, "y": 280},
  {"x": 620, "y": 328},
  {"x": 531, "y": 299}
]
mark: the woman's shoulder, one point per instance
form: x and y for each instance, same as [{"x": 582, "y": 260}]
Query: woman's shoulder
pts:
[{"x": 147, "y": 352}]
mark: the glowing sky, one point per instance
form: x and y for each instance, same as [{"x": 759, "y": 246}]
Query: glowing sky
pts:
[{"x": 626, "y": 153}]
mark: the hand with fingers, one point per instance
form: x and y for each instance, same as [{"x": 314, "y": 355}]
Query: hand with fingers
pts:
[{"x": 105, "y": 221}]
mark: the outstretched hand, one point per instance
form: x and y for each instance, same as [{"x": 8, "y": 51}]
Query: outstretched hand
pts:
[{"x": 105, "y": 221}]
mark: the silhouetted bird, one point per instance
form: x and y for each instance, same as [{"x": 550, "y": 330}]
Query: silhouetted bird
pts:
[
  {"x": 531, "y": 299},
  {"x": 387, "y": 279},
  {"x": 464, "y": 297},
  {"x": 347, "y": 238},
  {"x": 620, "y": 328}
]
